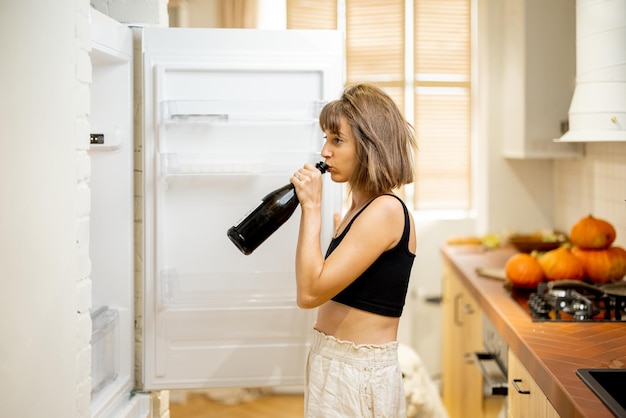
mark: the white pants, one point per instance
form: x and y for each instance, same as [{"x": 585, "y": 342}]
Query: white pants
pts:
[{"x": 353, "y": 381}]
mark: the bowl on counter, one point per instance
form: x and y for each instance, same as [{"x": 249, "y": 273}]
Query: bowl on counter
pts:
[{"x": 527, "y": 243}]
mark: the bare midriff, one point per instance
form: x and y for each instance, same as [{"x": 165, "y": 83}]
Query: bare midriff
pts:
[{"x": 351, "y": 324}]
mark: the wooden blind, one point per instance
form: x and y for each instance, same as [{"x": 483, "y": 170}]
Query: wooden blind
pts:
[
  {"x": 442, "y": 37},
  {"x": 375, "y": 45},
  {"x": 442, "y": 104},
  {"x": 312, "y": 14},
  {"x": 375, "y": 41},
  {"x": 440, "y": 87}
]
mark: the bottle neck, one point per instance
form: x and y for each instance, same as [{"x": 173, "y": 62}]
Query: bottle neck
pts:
[{"x": 321, "y": 166}]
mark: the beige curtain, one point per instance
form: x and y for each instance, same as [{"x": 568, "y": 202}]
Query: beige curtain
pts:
[{"x": 237, "y": 13}]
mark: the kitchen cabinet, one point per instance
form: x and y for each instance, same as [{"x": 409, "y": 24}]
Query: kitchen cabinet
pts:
[
  {"x": 462, "y": 337},
  {"x": 538, "y": 77},
  {"x": 551, "y": 351},
  {"x": 525, "y": 397}
]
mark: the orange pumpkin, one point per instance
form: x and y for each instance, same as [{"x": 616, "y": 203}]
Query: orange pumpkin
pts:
[
  {"x": 561, "y": 264},
  {"x": 620, "y": 254},
  {"x": 590, "y": 232},
  {"x": 602, "y": 266},
  {"x": 523, "y": 271}
]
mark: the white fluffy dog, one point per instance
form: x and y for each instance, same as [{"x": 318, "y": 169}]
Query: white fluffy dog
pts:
[{"x": 422, "y": 395}]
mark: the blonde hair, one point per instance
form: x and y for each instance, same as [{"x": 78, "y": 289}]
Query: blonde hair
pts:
[{"x": 384, "y": 139}]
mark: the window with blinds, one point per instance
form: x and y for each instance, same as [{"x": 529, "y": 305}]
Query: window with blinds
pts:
[
  {"x": 428, "y": 77},
  {"x": 312, "y": 14},
  {"x": 442, "y": 104}
]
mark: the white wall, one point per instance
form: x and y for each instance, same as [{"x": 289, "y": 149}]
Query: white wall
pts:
[
  {"x": 593, "y": 185},
  {"x": 511, "y": 194},
  {"x": 44, "y": 297}
]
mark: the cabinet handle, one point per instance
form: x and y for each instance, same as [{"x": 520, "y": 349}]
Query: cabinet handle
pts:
[
  {"x": 494, "y": 378},
  {"x": 457, "y": 320},
  {"x": 517, "y": 388},
  {"x": 466, "y": 308}
]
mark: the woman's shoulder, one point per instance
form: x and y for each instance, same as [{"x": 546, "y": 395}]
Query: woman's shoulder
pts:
[
  {"x": 383, "y": 210},
  {"x": 382, "y": 223},
  {"x": 389, "y": 202}
]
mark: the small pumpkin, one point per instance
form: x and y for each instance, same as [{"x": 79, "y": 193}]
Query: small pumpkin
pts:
[
  {"x": 523, "y": 271},
  {"x": 602, "y": 266},
  {"x": 561, "y": 264},
  {"x": 590, "y": 232}
]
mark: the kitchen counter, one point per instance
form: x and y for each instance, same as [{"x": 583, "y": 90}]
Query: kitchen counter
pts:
[{"x": 550, "y": 351}]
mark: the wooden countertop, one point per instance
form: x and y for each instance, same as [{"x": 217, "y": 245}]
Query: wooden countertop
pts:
[{"x": 551, "y": 351}]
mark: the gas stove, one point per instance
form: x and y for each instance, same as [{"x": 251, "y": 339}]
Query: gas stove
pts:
[{"x": 575, "y": 301}]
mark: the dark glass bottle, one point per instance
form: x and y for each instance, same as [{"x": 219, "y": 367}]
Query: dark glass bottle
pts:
[{"x": 265, "y": 218}]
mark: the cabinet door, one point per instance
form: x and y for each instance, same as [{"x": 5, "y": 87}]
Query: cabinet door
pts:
[
  {"x": 526, "y": 399},
  {"x": 550, "y": 411},
  {"x": 462, "y": 319},
  {"x": 537, "y": 77}
]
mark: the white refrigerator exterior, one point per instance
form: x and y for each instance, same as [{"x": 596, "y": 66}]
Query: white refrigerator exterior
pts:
[{"x": 229, "y": 115}]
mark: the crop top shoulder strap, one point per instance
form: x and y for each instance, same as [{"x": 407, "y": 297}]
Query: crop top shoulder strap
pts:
[{"x": 382, "y": 288}]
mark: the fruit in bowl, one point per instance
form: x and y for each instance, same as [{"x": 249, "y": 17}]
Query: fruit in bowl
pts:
[{"x": 539, "y": 241}]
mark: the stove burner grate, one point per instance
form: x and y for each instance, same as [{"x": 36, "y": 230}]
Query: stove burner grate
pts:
[{"x": 570, "y": 304}]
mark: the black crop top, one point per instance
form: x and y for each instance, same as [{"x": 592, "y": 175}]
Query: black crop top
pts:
[{"x": 382, "y": 288}]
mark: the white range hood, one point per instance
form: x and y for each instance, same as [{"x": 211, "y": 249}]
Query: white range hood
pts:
[{"x": 598, "y": 109}]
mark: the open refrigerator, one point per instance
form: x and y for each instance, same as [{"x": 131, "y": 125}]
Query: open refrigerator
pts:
[{"x": 227, "y": 116}]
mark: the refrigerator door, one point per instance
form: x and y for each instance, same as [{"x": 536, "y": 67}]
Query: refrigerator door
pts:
[
  {"x": 229, "y": 115},
  {"x": 110, "y": 195}
]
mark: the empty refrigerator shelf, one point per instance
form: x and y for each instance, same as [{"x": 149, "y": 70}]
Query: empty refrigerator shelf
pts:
[
  {"x": 228, "y": 163},
  {"x": 227, "y": 290},
  {"x": 104, "y": 347},
  {"x": 223, "y": 111}
]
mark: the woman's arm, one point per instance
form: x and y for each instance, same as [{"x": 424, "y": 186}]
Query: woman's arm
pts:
[
  {"x": 375, "y": 230},
  {"x": 309, "y": 258}
]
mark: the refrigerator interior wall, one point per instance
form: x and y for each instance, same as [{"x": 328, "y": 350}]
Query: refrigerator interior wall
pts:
[
  {"x": 111, "y": 222},
  {"x": 229, "y": 116}
]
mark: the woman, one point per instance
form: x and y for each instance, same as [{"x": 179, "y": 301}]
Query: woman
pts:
[{"x": 360, "y": 285}]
